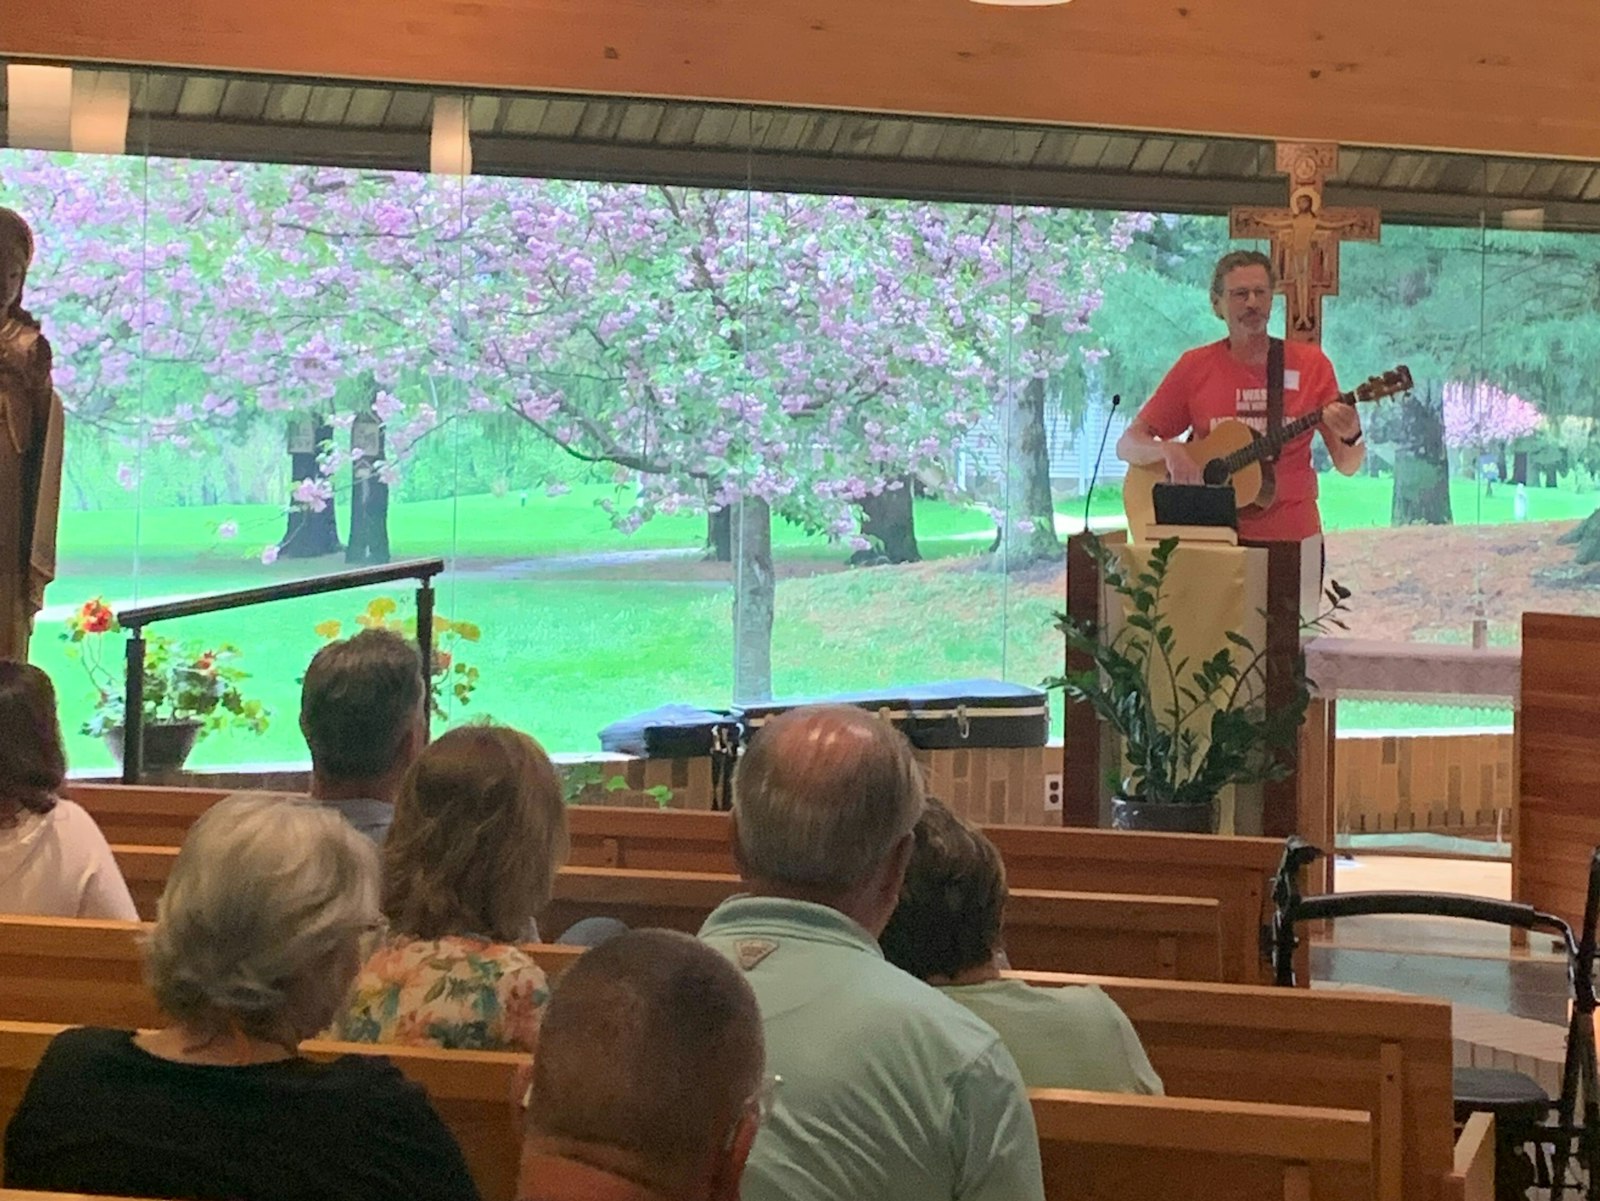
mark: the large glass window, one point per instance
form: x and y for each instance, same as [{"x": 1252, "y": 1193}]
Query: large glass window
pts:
[{"x": 715, "y": 444}]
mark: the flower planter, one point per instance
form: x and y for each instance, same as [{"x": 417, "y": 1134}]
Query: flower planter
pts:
[
  {"x": 166, "y": 743},
  {"x": 1134, "y": 814}
]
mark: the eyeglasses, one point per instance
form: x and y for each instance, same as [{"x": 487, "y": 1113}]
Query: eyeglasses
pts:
[
  {"x": 759, "y": 1105},
  {"x": 1243, "y": 294}
]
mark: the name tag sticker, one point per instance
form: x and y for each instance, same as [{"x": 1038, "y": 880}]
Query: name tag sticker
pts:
[{"x": 1291, "y": 380}]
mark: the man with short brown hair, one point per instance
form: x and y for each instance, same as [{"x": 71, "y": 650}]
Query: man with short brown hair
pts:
[
  {"x": 1227, "y": 380},
  {"x": 362, "y": 714},
  {"x": 649, "y": 1082}
]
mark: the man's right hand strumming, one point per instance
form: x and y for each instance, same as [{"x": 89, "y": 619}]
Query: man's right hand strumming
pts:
[{"x": 1181, "y": 469}]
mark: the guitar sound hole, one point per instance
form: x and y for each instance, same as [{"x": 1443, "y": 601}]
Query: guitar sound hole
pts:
[{"x": 1215, "y": 472}]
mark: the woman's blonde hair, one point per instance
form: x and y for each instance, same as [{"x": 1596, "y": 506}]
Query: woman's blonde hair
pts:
[{"x": 480, "y": 829}]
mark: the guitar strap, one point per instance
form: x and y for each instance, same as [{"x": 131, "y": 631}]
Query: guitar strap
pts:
[{"x": 1274, "y": 390}]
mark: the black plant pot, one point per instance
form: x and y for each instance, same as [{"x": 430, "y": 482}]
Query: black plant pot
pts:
[
  {"x": 1135, "y": 814},
  {"x": 166, "y": 743}
]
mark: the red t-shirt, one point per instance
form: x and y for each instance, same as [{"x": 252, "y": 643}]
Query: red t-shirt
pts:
[{"x": 1208, "y": 385}]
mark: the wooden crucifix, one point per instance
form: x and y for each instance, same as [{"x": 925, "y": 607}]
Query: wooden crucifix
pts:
[{"x": 1305, "y": 236}]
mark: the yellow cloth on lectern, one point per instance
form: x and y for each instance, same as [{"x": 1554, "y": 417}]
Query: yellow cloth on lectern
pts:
[{"x": 1210, "y": 589}]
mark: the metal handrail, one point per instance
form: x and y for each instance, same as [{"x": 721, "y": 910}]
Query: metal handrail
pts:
[{"x": 136, "y": 619}]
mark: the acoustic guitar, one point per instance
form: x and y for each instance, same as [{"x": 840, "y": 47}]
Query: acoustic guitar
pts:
[{"x": 1234, "y": 453}]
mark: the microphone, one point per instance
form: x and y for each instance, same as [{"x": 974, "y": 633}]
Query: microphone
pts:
[{"x": 1099, "y": 456}]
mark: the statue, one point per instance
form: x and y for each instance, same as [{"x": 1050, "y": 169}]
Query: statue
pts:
[{"x": 30, "y": 448}]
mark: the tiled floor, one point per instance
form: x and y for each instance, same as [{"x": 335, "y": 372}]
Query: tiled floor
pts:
[{"x": 1510, "y": 1004}]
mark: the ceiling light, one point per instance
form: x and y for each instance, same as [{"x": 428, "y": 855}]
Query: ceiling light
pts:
[
  {"x": 100, "y": 112},
  {"x": 40, "y": 103},
  {"x": 450, "y": 152}
]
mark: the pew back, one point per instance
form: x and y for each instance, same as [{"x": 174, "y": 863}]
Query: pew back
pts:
[
  {"x": 1156, "y": 936},
  {"x": 473, "y": 1092},
  {"x": 1233, "y": 871},
  {"x": 1384, "y": 1054},
  {"x": 144, "y": 814},
  {"x": 90, "y": 972},
  {"x": 1102, "y": 1147},
  {"x": 1473, "y": 1176}
]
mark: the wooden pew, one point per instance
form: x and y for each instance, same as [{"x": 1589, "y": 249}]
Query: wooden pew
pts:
[
  {"x": 1384, "y": 1056},
  {"x": 1233, "y": 871},
  {"x": 13, "y": 1194},
  {"x": 1473, "y": 1176},
  {"x": 1175, "y": 938},
  {"x": 1116, "y": 1142},
  {"x": 1104, "y": 1147},
  {"x": 91, "y": 972},
  {"x": 472, "y": 1090},
  {"x": 1381, "y": 1053},
  {"x": 144, "y": 814},
  {"x": 1236, "y": 872}
]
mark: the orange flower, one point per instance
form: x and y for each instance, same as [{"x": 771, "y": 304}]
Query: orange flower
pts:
[
  {"x": 95, "y": 617},
  {"x": 205, "y": 661},
  {"x": 441, "y": 661}
]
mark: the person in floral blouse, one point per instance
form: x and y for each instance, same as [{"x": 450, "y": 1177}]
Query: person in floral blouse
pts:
[{"x": 480, "y": 830}]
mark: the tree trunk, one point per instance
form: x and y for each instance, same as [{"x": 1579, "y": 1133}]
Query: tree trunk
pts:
[
  {"x": 1586, "y": 535},
  {"x": 1519, "y": 467},
  {"x": 754, "y": 600},
  {"x": 1027, "y": 532},
  {"x": 890, "y": 518},
  {"x": 309, "y": 533},
  {"x": 1421, "y": 466},
  {"x": 719, "y": 536},
  {"x": 369, "y": 495}
]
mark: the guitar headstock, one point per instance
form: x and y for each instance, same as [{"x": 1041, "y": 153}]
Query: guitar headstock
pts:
[{"x": 1387, "y": 384}]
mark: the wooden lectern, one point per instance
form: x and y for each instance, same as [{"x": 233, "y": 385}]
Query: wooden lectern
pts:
[{"x": 1261, "y": 591}]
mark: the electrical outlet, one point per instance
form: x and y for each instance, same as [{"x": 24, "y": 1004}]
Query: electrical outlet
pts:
[{"x": 1052, "y": 792}]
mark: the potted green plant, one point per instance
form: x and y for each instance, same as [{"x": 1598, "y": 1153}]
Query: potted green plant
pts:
[
  {"x": 190, "y": 689},
  {"x": 1188, "y": 729}
]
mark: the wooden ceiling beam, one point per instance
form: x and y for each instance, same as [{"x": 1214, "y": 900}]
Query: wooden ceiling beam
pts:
[{"x": 1466, "y": 75}]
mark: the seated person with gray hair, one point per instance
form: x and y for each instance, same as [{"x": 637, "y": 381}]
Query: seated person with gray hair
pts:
[
  {"x": 891, "y": 1090},
  {"x": 946, "y": 930},
  {"x": 257, "y": 938},
  {"x": 363, "y": 715},
  {"x": 648, "y": 1084}
]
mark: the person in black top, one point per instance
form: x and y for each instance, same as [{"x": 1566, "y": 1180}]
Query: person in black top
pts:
[{"x": 257, "y": 940}]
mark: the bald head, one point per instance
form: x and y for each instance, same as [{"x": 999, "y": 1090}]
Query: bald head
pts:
[
  {"x": 823, "y": 796},
  {"x": 647, "y": 1053}
]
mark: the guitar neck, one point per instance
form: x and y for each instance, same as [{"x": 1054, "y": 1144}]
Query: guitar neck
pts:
[{"x": 1270, "y": 444}]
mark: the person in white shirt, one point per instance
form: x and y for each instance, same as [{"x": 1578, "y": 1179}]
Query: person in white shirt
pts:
[{"x": 54, "y": 862}]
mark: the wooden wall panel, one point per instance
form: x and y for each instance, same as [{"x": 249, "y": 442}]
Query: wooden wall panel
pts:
[
  {"x": 1558, "y": 813},
  {"x": 1436, "y": 782},
  {"x": 1450, "y": 74}
]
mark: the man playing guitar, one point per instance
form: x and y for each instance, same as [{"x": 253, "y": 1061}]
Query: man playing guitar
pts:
[{"x": 1226, "y": 380}]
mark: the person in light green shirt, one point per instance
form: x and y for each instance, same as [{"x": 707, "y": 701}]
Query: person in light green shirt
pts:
[
  {"x": 946, "y": 931},
  {"x": 891, "y": 1092}
]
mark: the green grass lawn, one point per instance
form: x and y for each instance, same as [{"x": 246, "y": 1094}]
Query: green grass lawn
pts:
[{"x": 563, "y": 655}]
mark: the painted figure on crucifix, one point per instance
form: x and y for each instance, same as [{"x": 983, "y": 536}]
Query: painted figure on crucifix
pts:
[
  {"x": 30, "y": 447},
  {"x": 1305, "y": 240},
  {"x": 1305, "y": 237}
]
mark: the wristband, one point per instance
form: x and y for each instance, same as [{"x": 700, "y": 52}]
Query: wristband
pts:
[{"x": 1352, "y": 439}]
